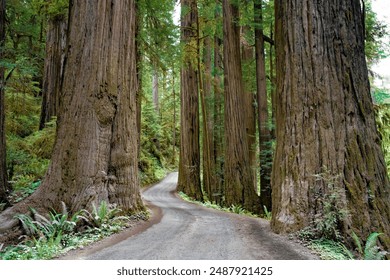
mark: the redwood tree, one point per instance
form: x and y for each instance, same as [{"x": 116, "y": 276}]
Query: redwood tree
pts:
[
  {"x": 54, "y": 64},
  {"x": 3, "y": 170},
  {"x": 95, "y": 156},
  {"x": 247, "y": 53},
  {"x": 327, "y": 142},
  {"x": 189, "y": 163},
  {"x": 238, "y": 185},
  {"x": 262, "y": 102}
]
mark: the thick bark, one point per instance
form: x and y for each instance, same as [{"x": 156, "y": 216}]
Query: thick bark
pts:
[
  {"x": 139, "y": 59},
  {"x": 53, "y": 69},
  {"x": 238, "y": 185},
  {"x": 218, "y": 121},
  {"x": 95, "y": 156},
  {"x": 208, "y": 124},
  {"x": 3, "y": 169},
  {"x": 273, "y": 82},
  {"x": 325, "y": 122},
  {"x": 247, "y": 53},
  {"x": 173, "y": 160},
  {"x": 189, "y": 165},
  {"x": 262, "y": 101}
]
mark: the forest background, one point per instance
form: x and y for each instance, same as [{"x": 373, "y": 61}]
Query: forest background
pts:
[{"x": 35, "y": 33}]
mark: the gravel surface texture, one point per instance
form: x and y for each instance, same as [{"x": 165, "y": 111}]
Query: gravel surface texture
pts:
[{"x": 179, "y": 230}]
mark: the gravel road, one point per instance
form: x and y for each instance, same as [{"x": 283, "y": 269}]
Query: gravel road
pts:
[{"x": 188, "y": 231}]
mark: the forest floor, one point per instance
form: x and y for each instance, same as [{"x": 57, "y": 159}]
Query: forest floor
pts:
[{"x": 182, "y": 230}]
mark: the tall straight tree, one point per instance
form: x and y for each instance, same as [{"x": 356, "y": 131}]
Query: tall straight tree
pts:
[
  {"x": 95, "y": 156},
  {"x": 189, "y": 163},
  {"x": 53, "y": 69},
  {"x": 3, "y": 169},
  {"x": 209, "y": 184},
  {"x": 218, "y": 113},
  {"x": 262, "y": 101},
  {"x": 238, "y": 188},
  {"x": 247, "y": 53},
  {"x": 327, "y": 142}
]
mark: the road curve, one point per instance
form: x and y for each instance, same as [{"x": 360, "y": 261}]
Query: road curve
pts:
[{"x": 188, "y": 231}]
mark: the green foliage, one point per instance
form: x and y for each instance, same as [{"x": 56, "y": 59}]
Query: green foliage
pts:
[
  {"x": 330, "y": 250},
  {"x": 381, "y": 96},
  {"x": 383, "y": 123},
  {"x": 102, "y": 215},
  {"x": 48, "y": 237},
  {"x": 237, "y": 209},
  {"x": 375, "y": 30},
  {"x": 28, "y": 150},
  {"x": 327, "y": 222},
  {"x": 51, "y": 8},
  {"x": 267, "y": 214},
  {"x": 371, "y": 250},
  {"x": 51, "y": 228},
  {"x": 22, "y": 114}
]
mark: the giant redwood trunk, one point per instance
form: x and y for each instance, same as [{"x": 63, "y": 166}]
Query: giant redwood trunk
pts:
[
  {"x": 95, "y": 154},
  {"x": 53, "y": 69},
  {"x": 3, "y": 169},
  {"x": 247, "y": 53},
  {"x": 238, "y": 185},
  {"x": 325, "y": 128},
  {"x": 218, "y": 118},
  {"x": 262, "y": 109},
  {"x": 209, "y": 174},
  {"x": 189, "y": 163}
]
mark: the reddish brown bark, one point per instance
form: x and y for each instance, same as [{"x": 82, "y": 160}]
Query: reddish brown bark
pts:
[
  {"x": 325, "y": 122},
  {"x": 95, "y": 156},
  {"x": 3, "y": 170},
  {"x": 189, "y": 165},
  {"x": 53, "y": 69},
  {"x": 238, "y": 185},
  {"x": 262, "y": 101}
]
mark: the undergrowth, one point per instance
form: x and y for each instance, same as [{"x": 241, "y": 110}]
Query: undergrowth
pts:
[
  {"x": 324, "y": 235},
  {"x": 48, "y": 237},
  {"x": 237, "y": 209}
]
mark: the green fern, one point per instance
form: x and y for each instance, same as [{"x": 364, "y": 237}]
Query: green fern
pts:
[
  {"x": 371, "y": 250},
  {"x": 358, "y": 243},
  {"x": 267, "y": 214},
  {"x": 237, "y": 209}
]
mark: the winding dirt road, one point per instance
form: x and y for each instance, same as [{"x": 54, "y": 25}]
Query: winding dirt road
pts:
[{"x": 188, "y": 231}]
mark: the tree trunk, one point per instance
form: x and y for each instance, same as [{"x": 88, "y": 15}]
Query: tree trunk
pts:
[
  {"x": 327, "y": 142},
  {"x": 95, "y": 156},
  {"x": 208, "y": 124},
  {"x": 247, "y": 54},
  {"x": 262, "y": 101},
  {"x": 218, "y": 120},
  {"x": 189, "y": 165},
  {"x": 238, "y": 185},
  {"x": 53, "y": 69},
  {"x": 155, "y": 89},
  {"x": 174, "y": 118},
  {"x": 3, "y": 170},
  {"x": 139, "y": 23},
  {"x": 273, "y": 82}
]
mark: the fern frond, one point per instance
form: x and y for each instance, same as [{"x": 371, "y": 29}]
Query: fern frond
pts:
[
  {"x": 371, "y": 250},
  {"x": 357, "y": 242}
]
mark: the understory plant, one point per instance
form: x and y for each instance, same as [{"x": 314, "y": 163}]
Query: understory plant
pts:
[
  {"x": 47, "y": 237},
  {"x": 370, "y": 251}
]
